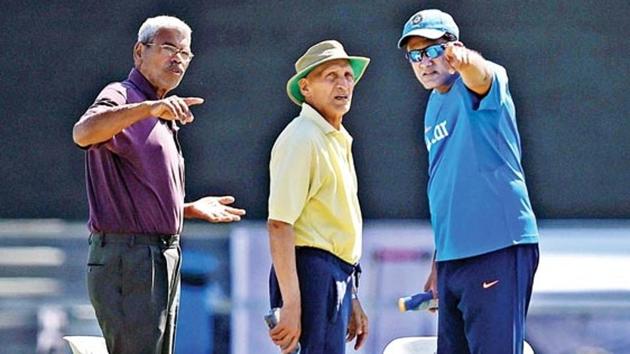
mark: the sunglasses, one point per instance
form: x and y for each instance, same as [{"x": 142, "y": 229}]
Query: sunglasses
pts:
[{"x": 431, "y": 52}]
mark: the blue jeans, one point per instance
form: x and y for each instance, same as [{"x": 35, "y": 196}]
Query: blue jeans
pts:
[{"x": 325, "y": 290}]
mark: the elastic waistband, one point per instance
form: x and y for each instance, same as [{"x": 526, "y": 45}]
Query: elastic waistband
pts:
[
  {"x": 318, "y": 252},
  {"x": 134, "y": 239}
]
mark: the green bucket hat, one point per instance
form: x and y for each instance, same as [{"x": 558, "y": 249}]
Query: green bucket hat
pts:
[{"x": 318, "y": 54}]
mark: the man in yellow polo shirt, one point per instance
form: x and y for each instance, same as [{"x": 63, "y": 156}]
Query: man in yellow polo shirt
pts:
[{"x": 315, "y": 224}]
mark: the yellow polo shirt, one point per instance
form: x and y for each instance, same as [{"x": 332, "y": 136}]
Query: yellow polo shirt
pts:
[{"x": 313, "y": 185}]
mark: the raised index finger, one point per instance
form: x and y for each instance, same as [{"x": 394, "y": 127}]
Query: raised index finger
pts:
[{"x": 191, "y": 101}]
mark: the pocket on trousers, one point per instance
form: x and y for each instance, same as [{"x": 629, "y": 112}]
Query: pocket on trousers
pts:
[
  {"x": 93, "y": 267},
  {"x": 96, "y": 256}
]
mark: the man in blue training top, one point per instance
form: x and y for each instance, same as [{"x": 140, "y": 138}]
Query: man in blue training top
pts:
[{"x": 486, "y": 236}]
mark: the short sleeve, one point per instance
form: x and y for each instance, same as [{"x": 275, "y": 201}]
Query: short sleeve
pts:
[
  {"x": 114, "y": 94},
  {"x": 291, "y": 171},
  {"x": 498, "y": 89}
]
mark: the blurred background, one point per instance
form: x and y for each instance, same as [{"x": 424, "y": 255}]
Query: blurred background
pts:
[{"x": 565, "y": 60}]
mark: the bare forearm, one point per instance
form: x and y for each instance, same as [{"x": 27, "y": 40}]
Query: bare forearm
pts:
[
  {"x": 188, "y": 211},
  {"x": 475, "y": 72},
  {"x": 282, "y": 244},
  {"x": 94, "y": 128}
]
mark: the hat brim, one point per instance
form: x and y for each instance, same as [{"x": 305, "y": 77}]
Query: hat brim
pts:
[
  {"x": 358, "y": 65},
  {"x": 429, "y": 33}
]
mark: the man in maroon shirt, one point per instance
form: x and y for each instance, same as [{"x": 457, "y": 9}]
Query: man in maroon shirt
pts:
[{"x": 135, "y": 185}]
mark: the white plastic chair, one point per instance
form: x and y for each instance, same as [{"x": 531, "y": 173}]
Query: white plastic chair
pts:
[
  {"x": 412, "y": 345},
  {"x": 423, "y": 345},
  {"x": 86, "y": 344}
]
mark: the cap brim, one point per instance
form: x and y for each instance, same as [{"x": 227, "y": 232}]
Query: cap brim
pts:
[
  {"x": 358, "y": 64},
  {"x": 429, "y": 33}
]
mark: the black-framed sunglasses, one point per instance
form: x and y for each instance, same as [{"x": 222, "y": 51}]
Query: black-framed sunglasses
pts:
[
  {"x": 172, "y": 51},
  {"x": 431, "y": 52}
]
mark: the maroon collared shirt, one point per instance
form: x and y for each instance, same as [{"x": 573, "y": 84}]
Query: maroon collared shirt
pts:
[{"x": 135, "y": 180}]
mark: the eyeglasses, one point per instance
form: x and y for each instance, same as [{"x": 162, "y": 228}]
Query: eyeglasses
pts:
[
  {"x": 172, "y": 51},
  {"x": 431, "y": 52}
]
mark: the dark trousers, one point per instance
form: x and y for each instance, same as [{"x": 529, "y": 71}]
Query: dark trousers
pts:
[
  {"x": 133, "y": 282},
  {"x": 325, "y": 290},
  {"x": 484, "y": 301}
]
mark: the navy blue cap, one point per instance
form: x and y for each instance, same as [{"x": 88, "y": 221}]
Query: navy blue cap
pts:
[{"x": 431, "y": 24}]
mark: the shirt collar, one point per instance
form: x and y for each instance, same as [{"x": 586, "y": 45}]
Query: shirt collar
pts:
[
  {"x": 311, "y": 113},
  {"x": 138, "y": 80}
]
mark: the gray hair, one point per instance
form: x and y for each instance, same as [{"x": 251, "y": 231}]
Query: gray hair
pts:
[{"x": 152, "y": 25}]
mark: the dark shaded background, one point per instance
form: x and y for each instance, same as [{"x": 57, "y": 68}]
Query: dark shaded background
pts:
[{"x": 567, "y": 61}]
